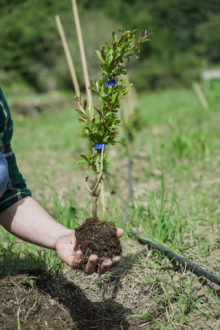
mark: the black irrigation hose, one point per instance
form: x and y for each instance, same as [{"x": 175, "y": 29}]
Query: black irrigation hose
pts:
[{"x": 199, "y": 271}]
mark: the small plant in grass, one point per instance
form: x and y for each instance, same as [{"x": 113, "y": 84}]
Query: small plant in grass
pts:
[{"x": 101, "y": 123}]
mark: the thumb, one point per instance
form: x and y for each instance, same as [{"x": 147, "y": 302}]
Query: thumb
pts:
[{"x": 77, "y": 259}]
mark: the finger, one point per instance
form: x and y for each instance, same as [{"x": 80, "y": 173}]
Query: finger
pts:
[
  {"x": 115, "y": 261},
  {"x": 120, "y": 232},
  {"x": 106, "y": 265},
  {"x": 91, "y": 264},
  {"x": 77, "y": 259}
]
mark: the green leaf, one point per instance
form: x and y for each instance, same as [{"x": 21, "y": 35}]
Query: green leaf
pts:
[
  {"x": 106, "y": 46},
  {"x": 82, "y": 114},
  {"x": 99, "y": 55},
  {"x": 83, "y": 120},
  {"x": 105, "y": 139},
  {"x": 110, "y": 56},
  {"x": 84, "y": 157},
  {"x": 81, "y": 161}
]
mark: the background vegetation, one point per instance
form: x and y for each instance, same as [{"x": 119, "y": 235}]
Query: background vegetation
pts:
[{"x": 186, "y": 39}]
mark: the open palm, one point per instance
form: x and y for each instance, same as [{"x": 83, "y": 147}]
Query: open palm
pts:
[{"x": 65, "y": 246}]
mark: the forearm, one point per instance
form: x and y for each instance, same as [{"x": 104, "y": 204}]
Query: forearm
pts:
[{"x": 28, "y": 220}]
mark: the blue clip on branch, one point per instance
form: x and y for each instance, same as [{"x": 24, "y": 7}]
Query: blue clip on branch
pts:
[
  {"x": 99, "y": 146},
  {"x": 110, "y": 83}
]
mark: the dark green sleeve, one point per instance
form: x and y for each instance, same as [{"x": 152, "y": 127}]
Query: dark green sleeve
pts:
[{"x": 16, "y": 188}]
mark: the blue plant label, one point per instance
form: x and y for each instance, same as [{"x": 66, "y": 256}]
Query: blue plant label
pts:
[
  {"x": 110, "y": 83},
  {"x": 99, "y": 146}
]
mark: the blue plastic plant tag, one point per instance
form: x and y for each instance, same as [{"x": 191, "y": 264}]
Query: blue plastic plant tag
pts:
[
  {"x": 110, "y": 83},
  {"x": 99, "y": 146}
]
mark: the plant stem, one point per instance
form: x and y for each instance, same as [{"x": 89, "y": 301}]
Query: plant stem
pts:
[
  {"x": 94, "y": 206},
  {"x": 95, "y": 191}
]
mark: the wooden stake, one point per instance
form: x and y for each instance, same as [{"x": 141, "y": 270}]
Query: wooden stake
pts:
[
  {"x": 68, "y": 56},
  {"x": 200, "y": 95},
  {"x": 86, "y": 77},
  {"x": 82, "y": 51}
]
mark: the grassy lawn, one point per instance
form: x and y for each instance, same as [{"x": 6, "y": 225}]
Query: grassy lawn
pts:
[{"x": 175, "y": 154}]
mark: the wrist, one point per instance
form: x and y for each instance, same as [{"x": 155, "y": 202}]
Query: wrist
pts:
[{"x": 60, "y": 234}]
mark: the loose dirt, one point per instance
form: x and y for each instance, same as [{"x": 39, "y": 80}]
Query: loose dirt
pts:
[{"x": 97, "y": 237}]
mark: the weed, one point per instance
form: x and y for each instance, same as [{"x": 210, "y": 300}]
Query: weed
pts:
[
  {"x": 30, "y": 283},
  {"x": 18, "y": 311},
  {"x": 151, "y": 319}
]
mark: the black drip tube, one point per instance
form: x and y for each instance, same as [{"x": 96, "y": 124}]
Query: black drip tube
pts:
[{"x": 199, "y": 271}]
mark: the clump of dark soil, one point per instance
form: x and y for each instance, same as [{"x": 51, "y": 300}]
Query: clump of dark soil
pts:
[{"x": 97, "y": 237}]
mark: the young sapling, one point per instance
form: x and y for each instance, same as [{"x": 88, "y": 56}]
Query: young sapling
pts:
[{"x": 100, "y": 125}]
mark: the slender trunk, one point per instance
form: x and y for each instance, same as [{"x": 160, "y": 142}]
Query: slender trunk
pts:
[
  {"x": 96, "y": 189},
  {"x": 94, "y": 206}
]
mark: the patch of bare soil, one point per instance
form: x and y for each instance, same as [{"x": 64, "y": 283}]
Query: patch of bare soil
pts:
[
  {"x": 55, "y": 304},
  {"x": 157, "y": 291},
  {"x": 33, "y": 310}
]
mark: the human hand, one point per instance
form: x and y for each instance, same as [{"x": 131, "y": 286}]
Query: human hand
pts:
[{"x": 65, "y": 250}]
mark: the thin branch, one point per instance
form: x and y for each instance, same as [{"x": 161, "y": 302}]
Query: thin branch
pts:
[
  {"x": 87, "y": 184},
  {"x": 100, "y": 173}
]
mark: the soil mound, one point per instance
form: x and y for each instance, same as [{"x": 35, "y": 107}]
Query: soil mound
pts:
[{"x": 97, "y": 237}]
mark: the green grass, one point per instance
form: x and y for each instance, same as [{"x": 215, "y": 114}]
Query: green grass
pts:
[{"x": 179, "y": 207}]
